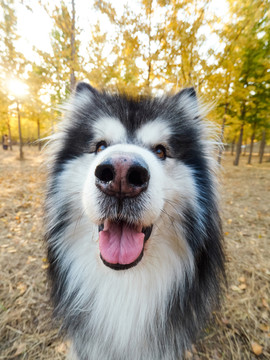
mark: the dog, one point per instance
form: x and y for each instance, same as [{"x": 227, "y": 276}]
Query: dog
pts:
[{"x": 132, "y": 225}]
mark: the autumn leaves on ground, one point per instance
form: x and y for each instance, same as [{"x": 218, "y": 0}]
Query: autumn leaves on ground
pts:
[{"x": 241, "y": 329}]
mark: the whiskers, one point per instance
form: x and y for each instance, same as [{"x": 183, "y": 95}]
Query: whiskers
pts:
[
  {"x": 174, "y": 217},
  {"x": 79, "y": 219}
]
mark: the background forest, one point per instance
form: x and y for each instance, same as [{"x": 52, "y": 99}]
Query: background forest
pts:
[{"x": 149, "y": 46}]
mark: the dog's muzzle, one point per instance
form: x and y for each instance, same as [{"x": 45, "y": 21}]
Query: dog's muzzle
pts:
[{"x": 122, "y": 178}]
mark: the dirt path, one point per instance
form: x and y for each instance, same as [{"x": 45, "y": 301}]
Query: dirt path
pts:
[{"x": 26, "y": 328}]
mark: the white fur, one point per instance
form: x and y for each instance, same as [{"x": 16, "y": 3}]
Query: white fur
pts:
[
  {"x": 153, "y": 133},
  {"x": 109, "y": 129}
]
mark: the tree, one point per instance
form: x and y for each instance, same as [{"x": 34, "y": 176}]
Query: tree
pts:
[
  {"x": 241, "y": 58},
  {"x": 12, "y": 62},
  {"x": 37, "y": 110},
  {"x": 126, "y": 50},
  {"x": 159, "y": 47},
  {"x": 64, "y": 61}
]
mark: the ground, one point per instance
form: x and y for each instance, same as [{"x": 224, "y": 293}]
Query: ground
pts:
[{"x": 240, "y": 330}]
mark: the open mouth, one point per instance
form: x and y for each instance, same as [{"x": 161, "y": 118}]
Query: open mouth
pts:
[{"x": 121, "y": 245}]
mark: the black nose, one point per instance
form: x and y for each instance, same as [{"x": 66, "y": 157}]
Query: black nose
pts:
[{"x": 122, "y": 176}]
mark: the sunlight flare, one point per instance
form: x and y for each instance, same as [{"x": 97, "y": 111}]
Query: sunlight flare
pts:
[{"x": 17, "y": 88}]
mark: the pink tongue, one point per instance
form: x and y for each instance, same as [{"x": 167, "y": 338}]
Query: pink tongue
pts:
[{"x": 119, "y": 243}]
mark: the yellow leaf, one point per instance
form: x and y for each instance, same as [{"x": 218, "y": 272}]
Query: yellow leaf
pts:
[
  {"x": 188, "y": 355},
  {"x": 62, "y": 348},
  {"x": 242, "y": 286},
  {"x": 21, "y": 287},
  {"x": 264, "y": 327},
  {"x": 256, "y": 348},
  {"x": 31, "y": 259},
  {"x": 265, "y": 303}
]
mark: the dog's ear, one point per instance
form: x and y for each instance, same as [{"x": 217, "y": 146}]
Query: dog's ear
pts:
[
  {"x": 187, "y": 101},
  {"x": 84, "y": 87},
  {"x": 188, "y": 94}
]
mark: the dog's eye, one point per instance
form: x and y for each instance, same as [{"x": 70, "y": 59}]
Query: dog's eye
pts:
[
  {"x": 102, "y": 145},
  {"x": 160, "y": 151}
]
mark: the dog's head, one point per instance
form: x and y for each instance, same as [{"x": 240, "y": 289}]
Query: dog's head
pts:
[{"x": 145, "y": 170}]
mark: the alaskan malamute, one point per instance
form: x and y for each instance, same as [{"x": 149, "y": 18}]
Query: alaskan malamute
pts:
[{"x": 132, "y": 225}]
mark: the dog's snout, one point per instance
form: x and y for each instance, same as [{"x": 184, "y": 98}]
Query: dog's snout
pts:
[{"x": 122, "y": 176}]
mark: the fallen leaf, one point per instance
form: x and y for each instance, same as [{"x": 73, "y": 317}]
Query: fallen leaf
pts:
[
  {"x": 264, "y": 315},
  {"x": 256, "y": 348},
  {"x": 264, "y": 327},
  {"x": 22, "y": 287},
  {"x": 242, "y": 279},
  {"x": 242, "y": 286},
  {"x": 235, "y": 288},
  {"x": 31, "y": 259},
  {"x": 20, "y": 349},
  {"x": 188, "y": 355},
  {"x": 62, "y": 348},
  {"x": 265, "y": 303}
]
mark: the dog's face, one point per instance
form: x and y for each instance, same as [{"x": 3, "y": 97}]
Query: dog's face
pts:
[
  {"x": 130, "y": 180},
  {"x": 138, "y": 180}
]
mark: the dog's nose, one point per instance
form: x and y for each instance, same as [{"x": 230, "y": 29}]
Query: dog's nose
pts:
[{"x": 122, "y": 176}]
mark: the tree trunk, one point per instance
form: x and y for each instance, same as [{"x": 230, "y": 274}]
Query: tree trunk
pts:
[
  {"x": 239, "y": 146},
  {"x": 38, "y": 131},
  {"x": 9, "y": 136},
  {"x": 233, "y": 144},
  {"x": 20, "y": 130},
  {"x": 245, "y": 148},
  {"x": 222, "y": 133},
  {"x": 261, "y": 152},
  {"x": 72, "y": 40},
  {"x": 149, "y": 49},
  {"x": 251, "y": 147}
]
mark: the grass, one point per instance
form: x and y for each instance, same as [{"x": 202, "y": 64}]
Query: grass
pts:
[{"x": 240, "y": 330}]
